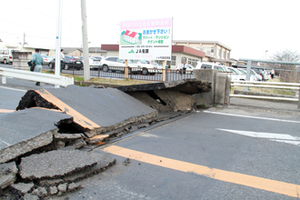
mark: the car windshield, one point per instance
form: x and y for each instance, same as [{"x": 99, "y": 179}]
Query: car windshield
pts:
[
  {"x": 143, "y": 62},
  {"x": 205, "y": 66},
  {"x": 134, "y": 61},
  {"x": 242, "y": 71},
  {"x": 233, "y": 71}
]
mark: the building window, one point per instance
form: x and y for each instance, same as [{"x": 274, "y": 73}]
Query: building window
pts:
[
  {"x": 192, "y": 62},
  {"x": 212, "y": 50},
  {"x": 173, "y": 61}
]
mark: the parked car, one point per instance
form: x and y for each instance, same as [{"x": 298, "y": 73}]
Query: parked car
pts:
[
  {"x": 46, "y": 59},
  {"x": 111, "y": 61},
  {"x": 68, "y": 63},
  {"x": 244, "y": 72},
  {"x": 236, "y": 75},
  {"x": 94, "y": 62},
  {"x": 6, "y": 55},
  {"x": 144, "y": 67},
  {"x": 258, "y": 76},
  {"x": 209, "y": 65},
  {"x": 189, "y": 68}
]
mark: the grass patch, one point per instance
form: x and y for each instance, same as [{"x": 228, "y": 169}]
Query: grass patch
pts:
[{"x": 118, "y": 81}]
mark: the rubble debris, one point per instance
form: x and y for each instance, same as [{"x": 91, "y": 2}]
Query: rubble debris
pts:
[
  {"x": 74, "y": 186},
  {"x": 22, "y": 188},
  {"x": 31, "y": 197},
  {"x": 126, "y": 162},
  {"x": 62, "y": 187},
  {"x": 8, "y": 172},
  {"x": 40, "y": 192},
  {"x": 53, "y": 190},
  {"x": 54, "y": 173}
]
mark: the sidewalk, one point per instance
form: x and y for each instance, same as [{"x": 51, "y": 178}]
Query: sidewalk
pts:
[{"x": 280, "y": 106}]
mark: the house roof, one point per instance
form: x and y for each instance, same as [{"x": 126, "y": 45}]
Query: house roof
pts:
[
  {"x": 201, "y": 42},
  {"x": 91, "y": 49}
]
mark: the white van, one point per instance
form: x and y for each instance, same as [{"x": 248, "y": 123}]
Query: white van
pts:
[
  {"x": 209, "y": 65},
  {"x": 6, "y": 55}
]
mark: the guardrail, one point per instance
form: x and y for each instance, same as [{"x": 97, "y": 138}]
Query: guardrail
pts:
[
  {"x": 36, "y": 77},
  {"x": 268, "y": 85}
]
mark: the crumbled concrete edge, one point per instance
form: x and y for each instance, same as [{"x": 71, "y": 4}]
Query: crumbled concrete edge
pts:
[
  {"x": 120, "y": 132},
  {"x": 33, "y": 99},
  {"x": 24, "y": 147},
  {"x": 131, "y": 120},
  {"x": 48, "y": 187}
]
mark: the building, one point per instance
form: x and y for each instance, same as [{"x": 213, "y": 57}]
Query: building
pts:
[
  {"x": 180, "y": 53},
  {"x": 214, "y": 51}
]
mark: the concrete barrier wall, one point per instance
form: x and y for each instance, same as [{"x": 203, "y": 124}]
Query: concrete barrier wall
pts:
[
  {"x": 220, "y": 84},
  {"x": 205, "y": 98},
  {"x": 222, "y": 89}
]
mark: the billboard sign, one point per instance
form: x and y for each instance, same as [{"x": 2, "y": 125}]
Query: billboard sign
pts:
[{"x": 146, "y": 39}]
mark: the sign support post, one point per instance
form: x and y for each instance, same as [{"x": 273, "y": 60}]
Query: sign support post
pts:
[
  {"x": 126, "y": 69},
  {"x": 164, "y": 72}
]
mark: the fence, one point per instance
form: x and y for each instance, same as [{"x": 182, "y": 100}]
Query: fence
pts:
[
  {"x": 269, "y": 85},
  {"x": 157, "y": 75}
]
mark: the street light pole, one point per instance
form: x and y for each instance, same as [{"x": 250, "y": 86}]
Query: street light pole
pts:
[
  {"x": 58, "y": 40},
  {"x": 85, "y": 47}
]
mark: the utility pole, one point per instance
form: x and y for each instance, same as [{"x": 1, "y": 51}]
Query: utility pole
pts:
[
  {"x": 58, "y": 40},
  {"x": 85, "y": 47}
]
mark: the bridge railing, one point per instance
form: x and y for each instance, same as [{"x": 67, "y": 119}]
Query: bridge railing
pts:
[{"x": 268, "y": 85}]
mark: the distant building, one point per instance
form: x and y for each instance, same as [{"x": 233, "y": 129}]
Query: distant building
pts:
[
  {"x": 214, "y": 51},
  {"x": 180, "y": 53}
]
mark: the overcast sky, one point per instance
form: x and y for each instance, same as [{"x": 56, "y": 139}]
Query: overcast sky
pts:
[{"x": 248, "y": 27}]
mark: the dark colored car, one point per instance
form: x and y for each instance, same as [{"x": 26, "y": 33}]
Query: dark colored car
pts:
[{"x": 68, "y": 63}]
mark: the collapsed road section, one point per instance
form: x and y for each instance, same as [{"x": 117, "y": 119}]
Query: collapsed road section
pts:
[
  {"x": 44, "y": 145},
  {"x": 169, "y": 96}
]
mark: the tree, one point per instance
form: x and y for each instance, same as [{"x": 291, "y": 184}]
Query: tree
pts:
[
  {"x": 286, "y": 55},
  {"x": 288, "y": 72}
]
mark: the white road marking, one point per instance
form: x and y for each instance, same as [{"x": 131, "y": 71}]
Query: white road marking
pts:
[
  {"x": 13, "y": 89},
  {"x": 253, "y": 117},
  {"x": 276, "y": 137},
  {"x": 5, "y": 142}
]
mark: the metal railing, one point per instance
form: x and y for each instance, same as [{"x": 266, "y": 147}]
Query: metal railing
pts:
[
  {"x": 151, "y": 74},
  {"x": 36, "y": 77},
  {"x": 269, "y": 85}
]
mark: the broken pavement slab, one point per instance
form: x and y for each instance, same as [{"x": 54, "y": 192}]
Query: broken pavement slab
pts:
[
  {"x": 8, "y": 174},
  {"x": 45, "y": 165},
  {"x": 23, "y": 131},
  {"x": 94, "y": 110}
]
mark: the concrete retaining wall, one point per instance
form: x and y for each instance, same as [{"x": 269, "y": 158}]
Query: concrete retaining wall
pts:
[{"x": 220, "y": 84}]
